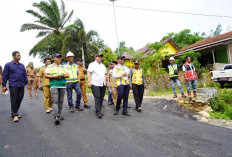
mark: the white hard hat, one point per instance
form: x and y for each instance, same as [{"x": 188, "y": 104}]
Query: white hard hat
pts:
[
  {"x": 70, "y": 54},
  {"x": 171, "y": 58}
]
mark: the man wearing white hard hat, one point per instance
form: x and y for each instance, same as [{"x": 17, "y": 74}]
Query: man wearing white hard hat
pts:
[
  {"x": 173, "y": 75},
  {"x": 73, "y": 83}
]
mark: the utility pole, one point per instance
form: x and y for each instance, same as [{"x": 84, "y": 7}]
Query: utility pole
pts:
[{"x": 116, "y": 26}]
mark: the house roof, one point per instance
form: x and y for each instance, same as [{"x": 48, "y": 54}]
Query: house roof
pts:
[
  {"x": 146, "y": 50},
  {"x": 207, "y": 42}
]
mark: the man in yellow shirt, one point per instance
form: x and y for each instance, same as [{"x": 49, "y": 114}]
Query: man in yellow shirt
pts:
[
  {"x": 137, "y": 83},
  {"x": 45, "y": 86}
]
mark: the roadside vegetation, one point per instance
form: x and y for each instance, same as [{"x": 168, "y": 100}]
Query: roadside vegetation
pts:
[{"x": 222, "y": 105}]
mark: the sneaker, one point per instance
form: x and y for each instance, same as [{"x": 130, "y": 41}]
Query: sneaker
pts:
[
  {"x": 57, "y": 120},
  {"x": 87, "y": 106},
  {"x": 78, "y": 108},
  {"x": 48, "y": 111},
  {"x": 16, "y": 119},
  {"x": 139, "y": 109},
  {"x": 30, "y": 97}
]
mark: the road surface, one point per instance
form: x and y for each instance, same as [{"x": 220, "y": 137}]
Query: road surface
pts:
[{"x": 152, "y": 133}]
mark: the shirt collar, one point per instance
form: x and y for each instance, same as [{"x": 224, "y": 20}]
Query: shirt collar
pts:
[
  {"x": 14, "y": 62},
  {"x": 98, "y": 63}
]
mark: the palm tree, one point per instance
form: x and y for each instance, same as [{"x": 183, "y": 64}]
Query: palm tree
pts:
[
  {"x": 79, "y": 42},
  {"x": 50, "y": 22}
]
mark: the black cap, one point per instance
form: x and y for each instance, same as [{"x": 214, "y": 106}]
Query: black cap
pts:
[
  {"x": 120, "y": 57},
  {"x": 99, "y": 55},
  {"x": 57, "y": 55},
  {"x": 115, "y": 62},
  {"x": 79, "y": 59}
]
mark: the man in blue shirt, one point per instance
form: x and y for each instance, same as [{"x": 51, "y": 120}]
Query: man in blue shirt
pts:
[{"x": 15, "y": 72}]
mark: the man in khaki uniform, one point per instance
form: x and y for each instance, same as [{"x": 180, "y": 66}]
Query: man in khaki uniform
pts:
[
  {"x": 111, "y": 83},
  {"x": 31, "y": 76},
  {"x": 82, "y": 73},
  {"x": 46, "y": 86}
]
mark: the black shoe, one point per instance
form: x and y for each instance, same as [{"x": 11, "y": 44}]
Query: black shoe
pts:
[
  {"x": 87, "y": 106},
  {"x": 99, "y": 115},
  {"x": 78, "y": 108},
  {"x": 125, "y": 113},
  {"x": 57, "y": 120},
  {"x": 128, "y": 107},
  {"x": 116, "y": 112}
]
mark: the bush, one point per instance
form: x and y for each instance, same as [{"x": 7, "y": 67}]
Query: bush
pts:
[{"x": 222, "y": 105}]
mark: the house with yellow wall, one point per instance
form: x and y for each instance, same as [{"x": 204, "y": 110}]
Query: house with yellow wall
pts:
[{"x": 170, "y": 48}]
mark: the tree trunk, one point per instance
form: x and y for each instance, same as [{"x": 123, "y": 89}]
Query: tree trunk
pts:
[{"x": 83, "y": 56}]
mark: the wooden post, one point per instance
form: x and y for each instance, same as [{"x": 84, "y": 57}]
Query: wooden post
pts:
[{"x": 213, "y": 56}]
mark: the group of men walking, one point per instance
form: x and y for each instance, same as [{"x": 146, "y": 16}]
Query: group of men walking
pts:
[{"x": 54, "y": 79}]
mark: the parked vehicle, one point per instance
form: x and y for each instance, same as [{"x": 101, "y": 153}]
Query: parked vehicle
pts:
[{"x": 223, "y": 76}]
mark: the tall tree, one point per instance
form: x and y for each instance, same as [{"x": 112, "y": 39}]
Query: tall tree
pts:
[
  {"x": 217, "y": 31},
  {"x": 50, "y": 21},
  {"x": 81, "y": 43},
  {"x": 123, "y": 48},
  {"x": 185, "y": 37}
]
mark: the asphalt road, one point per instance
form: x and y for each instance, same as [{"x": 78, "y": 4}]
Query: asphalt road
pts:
[{"x": 154, "y": 132}]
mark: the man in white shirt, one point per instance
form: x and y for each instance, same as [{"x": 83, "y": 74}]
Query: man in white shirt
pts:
[{"x": 97, "y": 82}]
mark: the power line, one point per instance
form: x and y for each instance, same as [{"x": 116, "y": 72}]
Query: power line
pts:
[{"x": 154, "y": 10}]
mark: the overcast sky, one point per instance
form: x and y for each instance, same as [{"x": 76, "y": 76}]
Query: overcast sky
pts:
[{"x": 135, "y": 27}]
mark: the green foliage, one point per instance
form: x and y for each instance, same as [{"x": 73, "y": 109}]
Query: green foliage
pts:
[
  {"x": 50, "y": 21},
  {"x": 208, "y": 84},
  {"x": 123, "y": 48},
  {"x": 194, "y": 56},
  {"x": 154, "y": 59},
  {"x": 109, "y": 56},
  {"x": 50, "y": 18},
  {"x": 222, "y": 105},
  {"x": 185, "y": 37},
  {"x": 76, "y": 39},
  {"x": 217, "y": 31}
]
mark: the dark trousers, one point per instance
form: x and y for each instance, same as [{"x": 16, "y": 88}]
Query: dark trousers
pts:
[
  {"x": 123, "y": 93},
  {"x": 76, "y": 87},
  {"x": 138, "y": 91},
  {"x": 16, "y": 97},
  {"x": 98, "y": 93}
]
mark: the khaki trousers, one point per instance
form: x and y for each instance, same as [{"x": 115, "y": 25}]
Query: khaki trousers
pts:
[
  {"x": 83, "y": 91},
  {"x": 32, "y": 83},
  {"x": 47, "y": 98},
  {"x": 114, "y": 93}
]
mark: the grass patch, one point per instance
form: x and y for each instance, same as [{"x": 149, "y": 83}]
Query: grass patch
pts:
[
  {"x": 222, "y": 105},
  {"x": 166, "y": 92}
]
